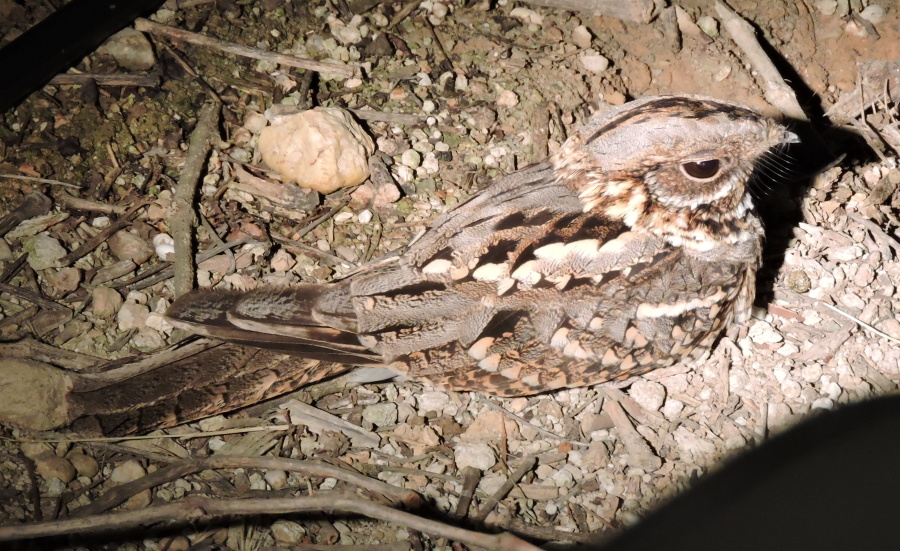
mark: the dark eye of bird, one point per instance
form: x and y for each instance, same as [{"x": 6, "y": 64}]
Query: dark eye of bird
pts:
[{"x": 702, "y": 170}]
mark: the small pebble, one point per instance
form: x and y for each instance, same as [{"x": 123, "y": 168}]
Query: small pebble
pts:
[
  {"x": 255, "y": 122},
  {"x": 178, "y": 543},
  {"x": 594, "y": 63},
  {"x": 873, "y": 13},
  {"x": 287, "y": 532},
  {"x": 381, "y": 414},
  {"x": 823, "y": 403},
  {"x": 763, "y": 333},
  {"x": 43, "y": 251},
  {"x": 709, "y": 25},
  {"x": 779, "y": 415},
  {"x": 649, "y": 395},
  {"x": 411, "y": 158},
  {"x": 86, "y": 465},
  {"x": 433, "y": 401},
  {"x": 282, "y": 261},
  {"x": 826, "y": 7},
  {"x": 48, "y": 465},
  {"x": 164, "y": 245},
  {"x": 480, "y": 456},
  {"x": 672, "y": 408},
  {"x": 126, "y": 245},
  {"x": 132, "y": 316},
  {"x": 127, "y": 472},
  {"x": 582, "y": 37},
  {"x": 507, "y": 98},
  {"x": 64, "y": 279},
  {"x": 527, "y": 16},
  {"x": 131, "y": 50},
  {"x": 276, "y": 478}
]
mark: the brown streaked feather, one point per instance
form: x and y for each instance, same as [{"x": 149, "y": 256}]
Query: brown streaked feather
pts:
[{"x": 213, "y": 314}]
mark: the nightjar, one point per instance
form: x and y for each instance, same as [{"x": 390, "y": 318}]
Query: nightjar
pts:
[{"x": 628, "y": 250}]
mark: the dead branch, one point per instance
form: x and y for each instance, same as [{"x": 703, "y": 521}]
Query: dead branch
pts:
[
  {"x": 198, "y": 509},
  {"x": 145, "y": 25},
  {"x": 103, "y": 235},
  {"x": 184, "y": 219},
  {"x": 35, "y": 204},
  {"x": 81, "y": 79},
  {"x": 638, "y": 11},
  {"x": 777, "y": 92},
  {"x": 174, "y": 471}
]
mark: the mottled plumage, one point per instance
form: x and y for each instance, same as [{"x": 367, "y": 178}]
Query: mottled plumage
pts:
[{"x": 628, "y": 250}]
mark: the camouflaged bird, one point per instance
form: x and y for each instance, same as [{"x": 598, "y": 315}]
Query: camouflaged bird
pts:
[{"x": 628, "y": 250}]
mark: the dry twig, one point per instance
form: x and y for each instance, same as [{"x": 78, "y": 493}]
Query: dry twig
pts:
[
  {"x": 184, "y": 219},
  {"x": 145, "y": 25},
  {"x": 777, "y": 92},
  {"x": 197, "y": 509}
]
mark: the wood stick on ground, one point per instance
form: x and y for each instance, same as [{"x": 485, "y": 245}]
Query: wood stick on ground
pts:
[
  {"x": 81, "y": 79},
  {"x": 174, "y": 471},
  {"x": 145, "y": 25},
  {"x": 396, "y": 546},
  {"x": 778, "y": 93},
  {"x": 184, "y": 219},
  {"x": 31, "y": 296},
  {"x": 197, "y": 509},
  {"x": 35, "y": 204},
  {"x": 639, "y": 453},
  {"x": 102, "y": 236},
  {"x": 78, "y": 203},
  {"x": 528, "y": 463},
  {"x": 39, "y": 180},
  {"x": 638, "y": 11},
  {"x": 471, "y": 478},
  {"x": 165, "y": 270}
]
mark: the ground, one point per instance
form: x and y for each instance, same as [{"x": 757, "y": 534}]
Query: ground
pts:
[{"x": 484, "y": 83}]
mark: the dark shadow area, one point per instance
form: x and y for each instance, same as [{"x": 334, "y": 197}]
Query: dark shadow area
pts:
[
  {"x": 828, "y": 484},
  {"x": 785, "y": 179},
  {"x": 62, "y": 39}
]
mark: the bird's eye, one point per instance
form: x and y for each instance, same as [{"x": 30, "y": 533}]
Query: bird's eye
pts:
[{"x": 702, "y": 170}]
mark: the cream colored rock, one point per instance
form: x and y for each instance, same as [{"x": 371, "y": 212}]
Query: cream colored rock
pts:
[
  {"x": 322, "y": 149},
  {"x": 33, "y": 394}
]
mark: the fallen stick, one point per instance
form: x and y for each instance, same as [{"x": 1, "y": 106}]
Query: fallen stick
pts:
[
  {"x": 777, "y": 92},
  {"x": 145, "y": 25},
  {"x": 638, "y": 11},
  {"x": 183, "y": 219},
  {"x": 199, "y": 509}
]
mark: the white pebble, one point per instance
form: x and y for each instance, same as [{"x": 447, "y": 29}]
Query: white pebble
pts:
[
  {"x": 709, "y": 25},
  {"x": 823, "y": 403},
  {"x": 649, "y": 395},
  {"x": 873, "y": 14},
  {"x": 581, "y": 36},
  {"x": 164, "y": 245},
  {"x": 763, "y": 333},
  {"x": 433, "y": 401},
  {"x": 787, "y": 349},
  {"x": 672, "y": 408},
  {"x": 594, "y": 63},
  {"x": 480, "y": 456},
  {"x": 507, "y": 98},
  {"x": 411, "y": 158}
]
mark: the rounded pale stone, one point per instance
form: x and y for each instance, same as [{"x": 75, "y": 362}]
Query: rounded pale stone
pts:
[{"x": 321, "y": 149}]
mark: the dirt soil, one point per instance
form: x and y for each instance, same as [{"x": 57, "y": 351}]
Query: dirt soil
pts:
[{"x": 484, "y": 83}]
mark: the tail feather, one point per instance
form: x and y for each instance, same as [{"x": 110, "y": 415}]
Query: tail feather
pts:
[{"x": 275, "y": 319}]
